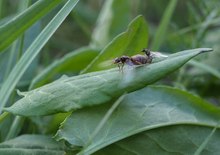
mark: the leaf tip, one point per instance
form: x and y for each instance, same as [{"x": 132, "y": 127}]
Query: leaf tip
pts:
[
  {"x": 22, "y": 94},
  {"x": 203, "y": 50}
]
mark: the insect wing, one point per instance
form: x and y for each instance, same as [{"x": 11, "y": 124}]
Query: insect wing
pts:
[
  {"x": 106, "y": 64},
  {"x": 128, "y": 75},
  {"x": 157, "y": 56}
]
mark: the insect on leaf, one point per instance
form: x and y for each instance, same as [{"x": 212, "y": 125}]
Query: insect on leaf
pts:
[{"x": 95, "y": 88}]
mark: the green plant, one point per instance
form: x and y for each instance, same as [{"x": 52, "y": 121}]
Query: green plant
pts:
[{"x": 95, "y": 108}]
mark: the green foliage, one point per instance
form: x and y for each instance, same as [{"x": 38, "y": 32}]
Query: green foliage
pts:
[
  {"x": 149, "y": 109},
  {"x": 13, "y": 29},
  {"x": 76, "y": 60},
  {"x": 177, "y": 139},
  {"x": 73, "y": 93},
  {"x": 32, "y": 52},
  {"x": 113, "y": 18},
  {"x": 74, "y": 100},
  {"x": 161, "y": 32},
  {"x": 133, "y": 39}
]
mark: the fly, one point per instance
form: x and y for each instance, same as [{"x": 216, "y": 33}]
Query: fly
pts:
[{"x": 134, "y": 60}]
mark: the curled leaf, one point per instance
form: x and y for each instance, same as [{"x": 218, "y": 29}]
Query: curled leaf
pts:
[{"x": 97, "y": 87}]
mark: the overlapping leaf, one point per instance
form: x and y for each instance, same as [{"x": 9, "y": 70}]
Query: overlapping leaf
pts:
[
  {"x": 170, "y": 140},
  {"x": 150, "y": 108},
  {"x": 95, "y": 88},
  {"x": 31, "y": 144}
]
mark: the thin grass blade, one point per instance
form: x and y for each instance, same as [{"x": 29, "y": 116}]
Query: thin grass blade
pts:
[{"x": 33, "y": 51}]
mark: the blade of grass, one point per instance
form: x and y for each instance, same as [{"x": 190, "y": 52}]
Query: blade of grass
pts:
[
  {"x": 161, "y": 32},
  {"x": 206, "y": 68},
  {"x": 13, "y": 29},
  {"x": 32, "y": 52},
  {"x": 112, "y": 20},
  {"x": 196, "y": 17},
  {"x": 205, "y": 142},
  {"x": 204, "y": 27},
  {"x": 194, "y": 27},
  {"x": 15, "y": 127},
  {"x": 1, "y": 9},
  {"x": 18, "y": 120},
  {"x": 22, "y": 6},
  {"x": 3, "y": 116}
]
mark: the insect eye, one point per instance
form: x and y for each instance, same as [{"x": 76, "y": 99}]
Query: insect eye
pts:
[
  {"x": 146, "y": 51},
  {"x": 117, "y": 60},
  {"x": 123, "y": 58}
]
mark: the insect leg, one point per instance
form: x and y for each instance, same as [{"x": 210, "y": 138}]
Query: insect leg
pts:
[
  {"x": 122, "y": 65},
  {"x": 135, "y": 62},
  {"x": 119, "y": 67}
]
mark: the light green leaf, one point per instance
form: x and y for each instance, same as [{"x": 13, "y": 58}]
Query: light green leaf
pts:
[
  {"x": 13, "y": 29},
  {"x": 168, "y": 140},
  {"x": 32, "y": 52},
  {"x": 31, "y": 144},
  {"x": 96, "y": 88},
  {"x": 133, "y": 40},
  {"x": 150, "y": 108},
  {"x": 161, "y": 32},
  {"x": 73, "y": 62}
]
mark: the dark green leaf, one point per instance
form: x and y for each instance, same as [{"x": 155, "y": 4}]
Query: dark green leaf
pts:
[
  {"x": 95, "y": 88},
  {"x": 170, "y": 140},
  {"x": 147, "y": 109},
  {"x": 31, "y": 144}
]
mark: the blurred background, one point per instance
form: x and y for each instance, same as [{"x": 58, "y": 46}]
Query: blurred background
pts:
[{"x": 190, "y": 24}]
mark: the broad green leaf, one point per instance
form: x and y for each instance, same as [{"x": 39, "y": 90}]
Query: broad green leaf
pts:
[
  {"x": 168, "y": 140},
  {"x": 161, "y": 32},
  {"x": 73, "y": 62},
  {"x": 95, "y": 88},
  {"x": 13, "y": 29},
  {"x": 32, "y": 52},
  {"x": 147, "y": 109},
  {"x": 31, "y": 144},
  {"x": 133, "y": 40},
  {"x": 112, "y": 19}
]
